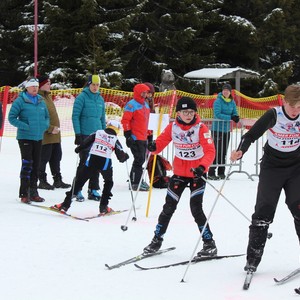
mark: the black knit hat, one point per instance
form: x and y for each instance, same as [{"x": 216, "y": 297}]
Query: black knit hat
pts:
[
  {"x": 186, "y": 103},
  {"x": 227, "y": 86}
]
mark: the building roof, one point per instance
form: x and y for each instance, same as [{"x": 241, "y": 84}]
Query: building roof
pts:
[{"x": 220, "y": 73}]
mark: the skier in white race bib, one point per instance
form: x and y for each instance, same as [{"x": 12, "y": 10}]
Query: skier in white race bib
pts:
[
  {"x": 279, "y": 169},
  {"x": 104, "y": 142}
]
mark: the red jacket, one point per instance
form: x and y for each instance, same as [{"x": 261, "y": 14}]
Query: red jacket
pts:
[
  {"x": 184, "y": 137},
  {"x": 136, "y": 114}
]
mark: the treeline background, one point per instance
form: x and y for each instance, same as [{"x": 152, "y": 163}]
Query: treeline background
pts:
[{"x": 132, "y": 41}]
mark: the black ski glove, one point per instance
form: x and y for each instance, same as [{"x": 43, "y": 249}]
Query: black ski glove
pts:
[
  {"x": 150, "y": 138},
  {"x": 77, "y": 149},
  {"x": 235, "y": 119},
  {"x": 198, "y": 172},
  {"x": 152, "y": 146},
  {"x": 124, "y": 158},
  {"x": 129, "y": 139},
  {"x": 78, "y": 139}
]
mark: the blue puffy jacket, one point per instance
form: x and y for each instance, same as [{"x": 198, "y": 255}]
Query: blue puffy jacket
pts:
[
  {"x": 223, "y": 110},
  {"x": 31, "y": 119},
  {"x": 88, "y": 112}
]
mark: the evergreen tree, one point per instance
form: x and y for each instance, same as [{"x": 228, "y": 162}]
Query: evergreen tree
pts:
[
  {"x": 16, "y": 32},
  {"x": 170, "y": 34}
]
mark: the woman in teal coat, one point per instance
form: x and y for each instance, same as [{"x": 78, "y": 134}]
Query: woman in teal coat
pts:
[
  {"x": 30, "y": 115},
  {"x": 224, "y": 111},
  {"x": 88, "y": 116}
]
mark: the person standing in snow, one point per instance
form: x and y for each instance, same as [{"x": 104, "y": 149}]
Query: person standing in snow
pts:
[
  {"x": 194, "y": 153},
  {"x": 88, "y": 116},
  {"x": 135, "y": 125},
  {"x": 224, "y": 111},
  {"x": 279, "y": 170},
  {"x": 103, "y": 142},
  {"x": 30, "y": 115},
  {"x": 51, "y": 144},
  {"x": 150, "y": 95}
]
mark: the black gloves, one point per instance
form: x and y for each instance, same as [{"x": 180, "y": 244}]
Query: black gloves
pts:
[
  {"x": 77, "y": 149},
  {"x": 152, "y": 146},
  {"x": 198, "y": 172},
  {"x": 150, "y": 138},
  {"x": 129, "y": 142},
  {"x": 78, "y": 139},
  {"x": 129, "y": 139},
  {"x": 235, "y": 119},
  {"x": 124, "y": 158}
]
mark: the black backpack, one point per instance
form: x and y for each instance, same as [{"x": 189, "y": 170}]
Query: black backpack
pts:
[{"x": 160, "y": 180}]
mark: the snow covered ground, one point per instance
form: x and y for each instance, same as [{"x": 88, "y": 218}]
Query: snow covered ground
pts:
[{"x": 48, "y": 256}]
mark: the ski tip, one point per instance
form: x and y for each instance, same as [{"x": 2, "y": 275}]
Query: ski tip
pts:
[
  {"x": 107, "y": 266},
  {"x": 139, "y": 267},
  {"x": 276, "y": 280},
  {"x": 297, "y": 291}
]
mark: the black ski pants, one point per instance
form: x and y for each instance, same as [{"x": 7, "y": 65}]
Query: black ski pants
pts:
[
  {"x": 51, "y": 153},
  {"x": 272, "y": 181},
  {"x": 138, "y": 150},
  {"x": 221, "y": 141},
  {"x": 94, "y": 179},
  {"x": 30, "y": 155},
  {"x": 95, "y": 166},
  {"x": 175, "y": 189}
]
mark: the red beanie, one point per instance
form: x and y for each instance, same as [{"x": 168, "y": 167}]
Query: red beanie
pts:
[{"x": 43, "y": 79}]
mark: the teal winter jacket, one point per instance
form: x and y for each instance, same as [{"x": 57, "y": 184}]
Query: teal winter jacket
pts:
[
  {"x": 88, "y": 112},
  {"x": 223, "y": 111},
  {"x": 31, "y": 119}
]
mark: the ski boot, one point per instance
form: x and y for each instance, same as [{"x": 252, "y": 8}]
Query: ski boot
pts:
[
  {"x": 104, "y": 209},
  {"x": 60, "y": 207},
  {"x": 79, "y": 197},
  {"x": 209, "y": 249},
  {"x": 154, "y": 246},
  {"x": 94, "y": 195}
]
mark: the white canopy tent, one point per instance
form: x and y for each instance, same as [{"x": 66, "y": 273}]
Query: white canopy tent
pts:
[{"x": 220, "y": 74}]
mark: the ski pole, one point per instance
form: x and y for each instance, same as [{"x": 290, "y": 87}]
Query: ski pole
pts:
[
  {"x": 206, "y": 223},
  {"x": 125, "y": 227},
  {"x": 74, "y": 179},
  {"x": 270, "y": 234},
  {"x": 153, "y": 165},
  {"x": 132, "y": 199},
  {"x": 221, "y": 194}
]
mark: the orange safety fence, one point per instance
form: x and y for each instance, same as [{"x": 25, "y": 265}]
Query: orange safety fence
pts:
[{"x": 115, "y": 100}]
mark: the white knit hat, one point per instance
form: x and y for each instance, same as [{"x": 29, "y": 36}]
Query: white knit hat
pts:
[
  {"x": 114, "y": 124},
  {"x": 32, "y": 82}
]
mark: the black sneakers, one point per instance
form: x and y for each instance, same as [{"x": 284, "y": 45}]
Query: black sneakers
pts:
[
  {"x": 58, "y": 183},
  {"x": 44, "y": 185},
  {"x": 213, "y": 177},
  {"x": 209, "y": 249},
  {"x": 154, "y": 246}
]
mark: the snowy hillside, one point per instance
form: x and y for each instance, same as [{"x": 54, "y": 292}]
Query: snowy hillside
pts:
[{"x": 47, "y": 256}]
